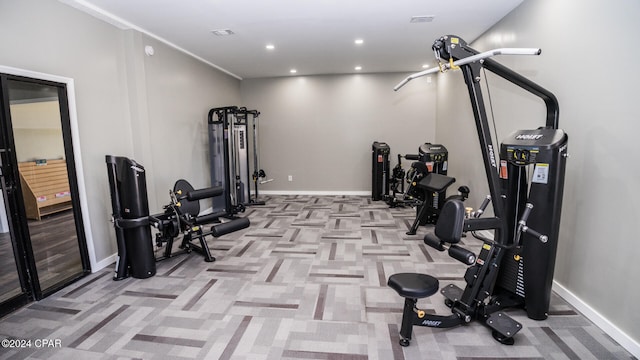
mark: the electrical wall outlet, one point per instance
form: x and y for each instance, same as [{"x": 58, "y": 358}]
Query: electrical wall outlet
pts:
[{"x": 290, "y": 177}]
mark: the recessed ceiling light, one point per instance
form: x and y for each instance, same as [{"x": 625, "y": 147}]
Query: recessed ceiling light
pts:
[
  {"x": 222, "y": 32},
  {"x": 270, "y": 47},
  {"x": 359, "y": 41},
  {"x": 422, "y": 19},
  {"x": 358, "y": 68},
  {"x": 293, "y": 71},
  {"x": 425, "y": 66}
]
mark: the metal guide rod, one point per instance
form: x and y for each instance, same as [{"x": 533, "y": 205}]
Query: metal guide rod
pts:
[{"x": 470, "y": 59}]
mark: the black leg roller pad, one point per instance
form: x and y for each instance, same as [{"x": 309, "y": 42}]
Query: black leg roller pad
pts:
[{"x": 229, "y": 227}]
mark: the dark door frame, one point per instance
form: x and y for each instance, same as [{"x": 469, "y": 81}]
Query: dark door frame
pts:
[{"x": 19, "y": 229}]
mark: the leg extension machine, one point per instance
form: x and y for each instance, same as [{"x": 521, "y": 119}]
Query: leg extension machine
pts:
[{"x": 132, "y": 221}]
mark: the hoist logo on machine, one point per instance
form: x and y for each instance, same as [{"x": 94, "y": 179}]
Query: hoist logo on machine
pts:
[
  {"x": 492, "y": 156},
  {"x": 529, "y": 137},
  {"x": 431, "y": 323},
  {"x": 562, "y": 148}
]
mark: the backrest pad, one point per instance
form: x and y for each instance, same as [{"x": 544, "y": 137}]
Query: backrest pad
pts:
[{"x": 450, "y": 222}]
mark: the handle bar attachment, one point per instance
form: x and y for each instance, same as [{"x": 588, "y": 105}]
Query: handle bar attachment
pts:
[{"x": 446, "y": 66}]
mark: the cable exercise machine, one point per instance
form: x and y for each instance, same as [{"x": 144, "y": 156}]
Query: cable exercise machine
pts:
[
  {"x": 258, "y": 176},
  {"x": 229, "y": 158},
  {"x": 515, "y": 268}
]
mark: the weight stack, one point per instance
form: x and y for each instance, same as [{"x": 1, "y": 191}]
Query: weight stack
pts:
[
  {"x": 128, "y": 188},
  {"x": 379, "y": 170},
  {"x": 436, "y": 158}
]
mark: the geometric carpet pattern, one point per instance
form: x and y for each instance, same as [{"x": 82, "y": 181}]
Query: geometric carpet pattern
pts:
[{"x": 307, "y": 280}]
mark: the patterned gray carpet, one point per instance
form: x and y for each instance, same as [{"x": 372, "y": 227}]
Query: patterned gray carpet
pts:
[{"x": 307, "y": 280}]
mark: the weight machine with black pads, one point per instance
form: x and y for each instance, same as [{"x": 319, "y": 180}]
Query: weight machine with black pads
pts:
[
  {"x": 427, "y": 181},
  {"x": 431, "y": 158},
  {"x": 431, "y": 186},
  {"x": 132, "y": 221},
  {"x": 526, "y": 182}
]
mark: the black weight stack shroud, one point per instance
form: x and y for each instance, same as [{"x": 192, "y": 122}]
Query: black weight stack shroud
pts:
[
  {"x": 380, "y": 170},
  {"x": 127, "y": 183}
]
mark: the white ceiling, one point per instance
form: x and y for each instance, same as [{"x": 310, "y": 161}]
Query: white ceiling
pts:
[{"x": 312, "y": 36}]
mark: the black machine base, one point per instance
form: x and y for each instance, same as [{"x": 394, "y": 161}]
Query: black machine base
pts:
[
  {"x": 452, "y": 293},
  {"x": 504, "y": 327},
  {"x": 414, "y": 286},
  {"x": 216, "y": 231}
]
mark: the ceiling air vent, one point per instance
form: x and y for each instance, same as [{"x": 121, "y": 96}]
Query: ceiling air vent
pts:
[
  {"x": 222, "y": 32},
  {"x": 422, "y": 19}
]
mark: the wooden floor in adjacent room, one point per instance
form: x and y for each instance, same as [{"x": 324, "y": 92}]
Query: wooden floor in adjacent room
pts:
[
  {"x": 307, "y": 280},
  {"x": 55, "y": 249},
  {"x": 9, "y": 281}
]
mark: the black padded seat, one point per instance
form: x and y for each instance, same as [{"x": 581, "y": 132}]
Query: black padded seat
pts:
[
  {"x": 413, "y": 285},
  {"x": 436, "y": 182}
]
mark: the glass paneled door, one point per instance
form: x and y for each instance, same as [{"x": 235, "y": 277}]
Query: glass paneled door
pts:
[
  {"x": 40, "y": 189},
  {"x": 13, "y": 291}
]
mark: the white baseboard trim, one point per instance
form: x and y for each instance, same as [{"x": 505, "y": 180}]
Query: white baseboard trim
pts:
[
  {"x": 314, "y": 192},
  {"x": 104, "y": 263},
  {"x": 600, "y": 321}
]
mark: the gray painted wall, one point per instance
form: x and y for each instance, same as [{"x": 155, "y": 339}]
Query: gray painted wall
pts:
[
  {"x": 587, "y": 61},
  {"x": 180, "y": 91},
  {"x": 152, "y": 109},
  {"x": 320, "y": 128}
]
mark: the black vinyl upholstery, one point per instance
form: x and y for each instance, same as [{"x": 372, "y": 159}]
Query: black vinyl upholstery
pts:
[
  {"x": 413, "y": 285},
  {"x": 451, "y": 222},
  {"x": 435, "y": 182},
  {"x": 204, "y": 193},
  {"x": 230, "y": 226}
]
